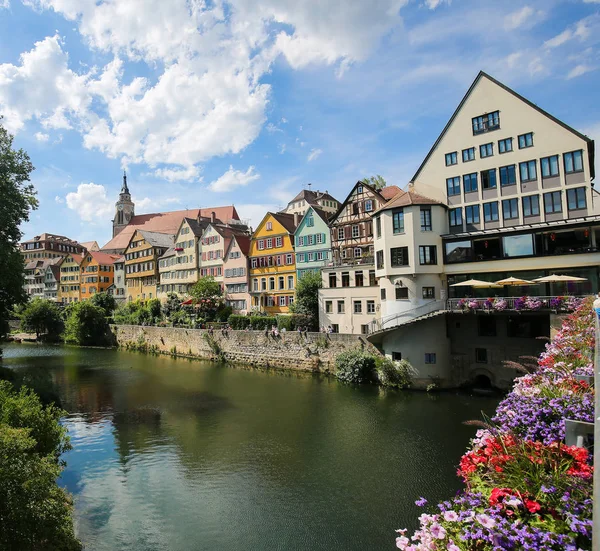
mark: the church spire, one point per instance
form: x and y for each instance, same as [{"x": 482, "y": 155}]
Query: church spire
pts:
[{"x": 124, "y": 188}]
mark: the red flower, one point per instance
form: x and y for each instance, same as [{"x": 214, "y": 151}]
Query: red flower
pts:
[{"x": 532, "y": 505}]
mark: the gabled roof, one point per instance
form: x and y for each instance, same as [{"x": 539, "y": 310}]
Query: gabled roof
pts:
[
  {"x": 169, "y": 252},
  {"x": 392, "y": 190},
  {"x": 157, "y": 239},
  {"x": 196, "y": 227},
  {"x": 406, "y": 199},
  {"x": 90, "y": 245},
  {"x": 482, "y": 74},
  {"x": 166, "y": 222},
  {"x": 322, "y": 214},
  {"x": 103, "y": 258},
  {"x": 312, "y": 197},
  {"x": 389, "y": 191},
  {"x": 243, "y": 242},
  {"x": 227, "y": 231},
  {"x": 286, "y": 220}
]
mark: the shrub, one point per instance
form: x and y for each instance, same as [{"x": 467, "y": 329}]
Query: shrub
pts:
[
  {"x": 238, "y": 322},
  {"x": 43, "y": 318},
  {"x": 394, "y": 374},
  {"x": 223, "y": 313},
  {"x": 291, "y": 322},
  {"x": 262, "y": 322},
  {"x": 86, "y": 325},
  {"x": 355, "y": 366}
]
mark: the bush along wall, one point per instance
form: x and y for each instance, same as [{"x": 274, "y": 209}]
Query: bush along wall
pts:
[
  {"x": 360, "y": 366},
  {"x": 524, "y": 488}
]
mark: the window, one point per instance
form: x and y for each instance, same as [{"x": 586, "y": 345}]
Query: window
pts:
[
  {"x": 486, "y": 150},
  {"x": 573, "y": 162},
  {"x": 428, "y": 292},
  {"x": 372, "y": 281},
  {"x": 451, "y": 158},
  {"x": 481, "y": 355},
  {"x": 357, "y": 252},
  {"x": 278, "y": 241},
  {"x": 396, "y": 356},
  {"x": 486, "y": 326},
  {"x": 320, "y": 238},
  {"x": 368, "y": 206},
  {"x": 289, "y": 259},
  {"x": 485, "y": 123},
  {"x": 490, "y": 212},
  {"x": 430, "y": 357},
  {"x": 576, "y": 198},
  {"x": 399, "y": 256},
  {"x": 345, "y": 279},
  {"x": 358, "y": 307},
  {"x": 341, "y": 307},
  {"x": 510, "y": 209},
  {"x": 328, "y": 306},
  {"x": 552, "y": 202},
  {"x": 261, "y": 245},
  {"x": 379, "y": 259},
  {"x": 271, "y": 284},
  {"x": 470, "y": 182},
  {"x": 269, "y": 226},
  {"x": 355, "y": 208},
  {"x": 526, "y": 140},
  {"x": 455, "y": 217},
  {"x": 508, "y": 175},
  {"x": 401, "y": 293},
  {"x": 531, "y": 205},
  {"x": 281, "y": 282},
  {"x": 359, "y": 189},
  {"x": 427, "y": 254},
  {"x": 290, "y": 282},
  {"x": 332, "y": 280},
  {"x": 269, "y": 243},
  {"x": 382, "y": 293},
  {"x": 358, "y": 279},
  {"x": 355, "y": 232},
  {"x": 378, "y": 226},
  {"x": 340, "y": 234},
  {"x": 518, "y": 245},
  {"x": 472, "y": 214},
  {"x": 370, "y": 306},
  {"x": 453, "y": 186},
  {"x": 310, "y": 221},
  {"x": 263, "y": 284},
  {"x": 426, "y": 219},
  {"x": 468, "y": 154},
  {"x": 398, "y": 220},
  {"x": 488, "y": 179},
  {"x": 527, "y": 171},
  {"x": 549, "y": 166},
  {"x": 504, "y": 146}
]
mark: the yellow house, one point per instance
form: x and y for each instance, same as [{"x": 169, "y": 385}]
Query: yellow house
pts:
[
  {"x": 70, "y": 275},
  {"x": 273, "y": 263},
  {"x": 141, "y": 263}
]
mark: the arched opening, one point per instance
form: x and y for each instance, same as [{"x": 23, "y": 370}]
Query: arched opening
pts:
[{"x": 482, "y": 381}]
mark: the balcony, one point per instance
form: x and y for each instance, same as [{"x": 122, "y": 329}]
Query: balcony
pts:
[
  {"x": 362, "y": 261},
  {"x": 555, "y": 304}
]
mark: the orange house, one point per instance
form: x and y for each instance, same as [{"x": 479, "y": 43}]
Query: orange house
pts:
[{"x": 97, "y": 273}]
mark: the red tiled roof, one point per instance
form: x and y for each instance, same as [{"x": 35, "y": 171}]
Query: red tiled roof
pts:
[
  {"x": 407, "y": 198},
  {"x": 103, "y": 258},
  {"x": 389, "y": 191},
  {"x": 166, "y": 222},
  {"x": 90, "y": 245}
]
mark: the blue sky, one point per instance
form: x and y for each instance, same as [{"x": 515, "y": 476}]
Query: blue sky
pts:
[{"x": 208, "y": 103}]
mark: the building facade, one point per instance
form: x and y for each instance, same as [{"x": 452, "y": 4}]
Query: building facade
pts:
[
  {"x": 235, "y": 274},
  {"x": 47, "y": 246},
  {"x": 70, "y": 277},
  {"x": 308, "y": 198},
  {"x": 313, "y": 242},
  {"x": 141, "y": 263},
  {"x": 119, "y": 288},
  {"x": 272, "y": 263},
  {"x": 97, "y": 273}
]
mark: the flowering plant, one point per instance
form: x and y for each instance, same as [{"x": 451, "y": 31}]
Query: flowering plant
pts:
[
  {"x": 520, "y": 303},
  {"x": 556, "y": 302},
  {"x": 500, "y": 304},
  {"x": 473, "y": 304},
  {"x": 533, "y": 303},
  {"x": 489, "y": 303},
  {"x": 462, "y": 304}
]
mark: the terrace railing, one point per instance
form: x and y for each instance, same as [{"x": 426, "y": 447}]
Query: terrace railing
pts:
[{"x": 517, "y": 304}]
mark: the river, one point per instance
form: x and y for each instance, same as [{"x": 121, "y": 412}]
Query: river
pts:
[{"x": 178, "y": 455}]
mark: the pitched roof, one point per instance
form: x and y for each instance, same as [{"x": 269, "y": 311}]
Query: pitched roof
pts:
[
  {"x": 166, "y": 222},
  {"x": 52, "y": 237},
  {"x": 406, "y": 199},
  {"x": 90, "y": 245},
  {"x": 103, "y": 258},
  {"x": 389, "y": 191},
  {"x": 158, "y": 239},
  {"x": 227, "y": 231},
  {"x": 286, "y": 220},
  {"x": 312, "y": 197},
  {"x": 392, "y": 190},
  {"x": 243, "y": 242},
  {"x": 169, "y": 252},
  {"x": 196, "y": 227},
  {"x": 590, "y": 142}
]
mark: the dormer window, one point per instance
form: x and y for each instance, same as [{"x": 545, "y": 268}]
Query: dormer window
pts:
[
  {"x": 486, "y": 123},
  {"x": 269, "y": 226}
]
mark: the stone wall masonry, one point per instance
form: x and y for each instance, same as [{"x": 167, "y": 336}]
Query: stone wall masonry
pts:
[{"x": 313, "y": 352}]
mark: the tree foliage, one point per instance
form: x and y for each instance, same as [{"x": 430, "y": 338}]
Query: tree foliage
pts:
[
  {"x": 356, "y": 366},
  {"x": 378, "y": 182},
  {"x": 208, "y": 296},
  {"x": 105, "y": 301},
  {"x": 307, "y": 297},
  {"x": 86, "y": 325},
  {"x": 17, "y": 200},
  {"x": 42, "y": 317},
  {"x": 36, "y": 513}
]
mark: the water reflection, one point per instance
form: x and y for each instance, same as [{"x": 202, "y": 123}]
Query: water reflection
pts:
[{"x": 178, "y": 455}]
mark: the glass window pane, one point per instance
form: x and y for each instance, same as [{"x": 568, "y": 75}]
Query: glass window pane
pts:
[{"x": 518, "y": 245}]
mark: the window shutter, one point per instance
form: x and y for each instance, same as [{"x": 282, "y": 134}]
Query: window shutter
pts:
[{"x": 347, "y": 232}]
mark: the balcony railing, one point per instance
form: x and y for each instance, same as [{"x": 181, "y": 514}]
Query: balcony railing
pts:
[
  {"x": 363, "y": 260},
  {"x": 514, "y": 304}
]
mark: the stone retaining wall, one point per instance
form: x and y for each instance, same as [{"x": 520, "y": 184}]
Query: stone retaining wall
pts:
[{"x": 313, "y": 352}]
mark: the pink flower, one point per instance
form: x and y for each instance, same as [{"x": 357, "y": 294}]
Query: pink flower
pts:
[
  {"x": 450, "y": 516},
  {"x": 402, "y": 542},
  {"x": 486, "y": 521},
  {"x": 438, "y": 531},
  {"x": 452, "y": 547}
]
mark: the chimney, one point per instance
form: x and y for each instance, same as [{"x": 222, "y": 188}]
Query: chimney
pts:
[
  {"x": 296, "y": 219},
  {"x": 213, "y": 217}
]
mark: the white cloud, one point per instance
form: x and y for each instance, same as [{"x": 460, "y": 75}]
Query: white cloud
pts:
[
  {"x": 526, "y": 17},
  {"x": 233, "y": 179},
  {"x": 284, "y": 120},
  {"x": 282, "y": 148},
  {"x": 582, "y": 30},
  {"x": 579, "y": 70},
  {"x": 271, "y": 128},
  {"x": 433, "y": 4},
  {"x": 314, "y": 154},
  {"x": 59, "y": 199},
  {"x": 179, "y": 174},
  {"x": 41, "y": 137},
  {"x": 4, "y": 4},
  {"x": 143, "y": 206},
  {"x": 90, "y": 202}
]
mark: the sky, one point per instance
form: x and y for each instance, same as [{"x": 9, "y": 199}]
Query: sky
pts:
[{"x": 209, "y": 102}]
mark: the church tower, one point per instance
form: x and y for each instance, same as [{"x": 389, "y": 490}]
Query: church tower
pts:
[{"x": 124, "y": 211}]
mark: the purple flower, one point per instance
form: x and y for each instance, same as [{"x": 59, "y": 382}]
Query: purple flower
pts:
[
  {"x": 421, "y": 502},
  {"x": 437, "y": 531}
]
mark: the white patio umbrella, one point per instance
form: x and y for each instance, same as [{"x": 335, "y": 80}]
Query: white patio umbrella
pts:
[
  {"x": 515, "y": 281},
  {"x": 475, "y": 283},
  {"x": 554, "y": 278}
]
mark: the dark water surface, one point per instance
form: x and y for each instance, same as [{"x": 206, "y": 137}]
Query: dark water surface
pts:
[{"x": 176, "y": 455}]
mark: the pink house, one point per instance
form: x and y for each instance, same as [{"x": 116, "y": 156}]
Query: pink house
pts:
[{"x": 235, "y": 273}]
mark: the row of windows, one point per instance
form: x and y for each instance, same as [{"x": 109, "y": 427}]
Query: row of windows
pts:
[
  {"x": 280, "y": 301},
  {"x": 211, "y": 239},
  {"x": 320, "y": 255},
  {"x": 278, "y": 260},
  {"x": 212, "y": 255},
  {"x": 362, "y": 206},
  {"x": 401, "y": 293},
  {"x": 184, "y": 244},
  {"x": 215, "y": 271},
  {"x": 235, "y": 272},
  {"x": 268, "y": 243},
  {"x": 399, "y": 256},
  {"x": 174, "y": 260},
  {"x": 398, "y": 221},
  {"x": 359, "y": 279},
  {"x": 236, "y": 304},
  {"x": 357, "y": 306},
  {"x": 235, "y": 254},
  {"x": 178, "y": 274},
  {"x": 353, "y": 232},
  {"x": 281, "y": 280},
  {"x": 576, "y": 200},
  {"x": 313, "y": 239},
  {"x": 138, "y": 254},
  {"x": 65, "y": 269},
  {"x": 237, "y": 288},
  {"x": 140, "y": 267},
  {"x": 92, "y": 291}
]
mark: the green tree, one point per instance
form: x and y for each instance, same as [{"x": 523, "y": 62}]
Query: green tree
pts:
[
  {"x": 17, "y": 199},
  {"x": 86, "y": 325},
  {"x": 378, "y": 182},
  {"x": 208, "y": 295},
  {"x": 106, "y": 301},
  {"x": 307, "y": 297},
  {"x": 172, "y": 305},
  {"x": 36, "y": 513},
  {"x": 43, "y": 318}
]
